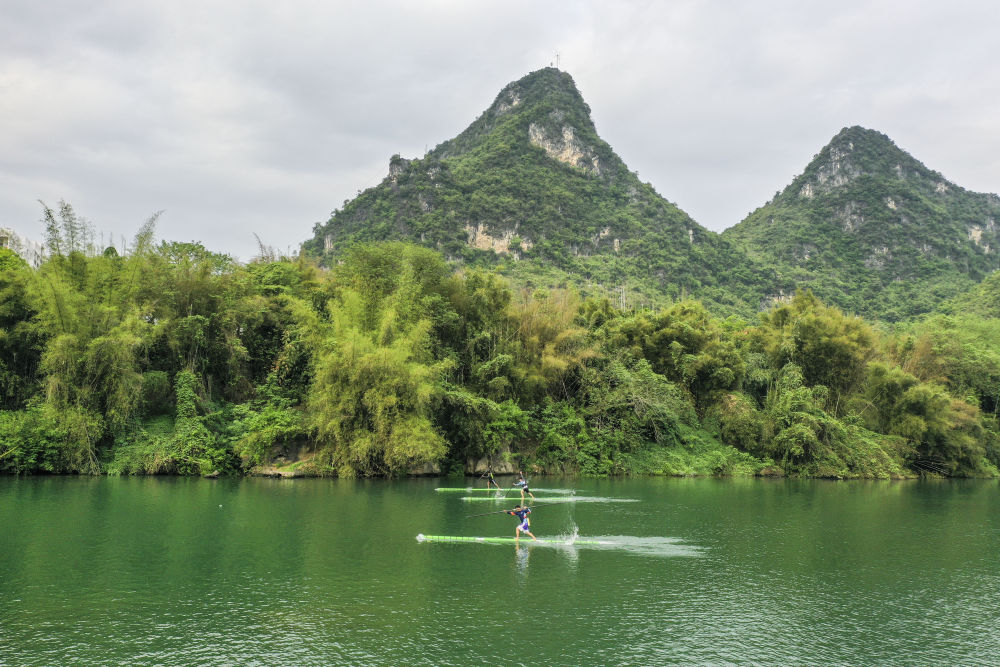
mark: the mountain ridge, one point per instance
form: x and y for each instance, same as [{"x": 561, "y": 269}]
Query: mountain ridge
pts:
[
  {"x": 870, "y": 228},
  {"x": 530, "y": 186}
]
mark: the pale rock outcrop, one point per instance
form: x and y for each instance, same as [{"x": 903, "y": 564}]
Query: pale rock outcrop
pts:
[
  {"x": 976, "y": 235},
  {"x": 480, "y": 239},
  {"x": 837, "y": 171},
  {"x": 880, "y": 255},
  {"x": 565, "y": 147},
  {"x": 509, "y": 101},
  {"x": 397, "y": 166},
  {"x": 603, "y": 234},
  {"x": 849, "y": 218}
]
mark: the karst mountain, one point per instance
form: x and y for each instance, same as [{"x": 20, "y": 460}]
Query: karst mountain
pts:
[{"x": 530, "y": 188}]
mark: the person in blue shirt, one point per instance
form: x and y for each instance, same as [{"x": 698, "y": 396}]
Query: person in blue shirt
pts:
[
  {"x": 522, "y": 484},
  {"x": 525, "y": 525}
]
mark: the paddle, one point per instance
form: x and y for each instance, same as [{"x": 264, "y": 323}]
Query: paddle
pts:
[
  {"x": 488, "y": 476},
  {"x": 520, "y": 479},
  {"x": 494, "y": 512}
]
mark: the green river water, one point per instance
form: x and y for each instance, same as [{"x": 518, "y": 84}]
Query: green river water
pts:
[{"x": 165, "y": 571}]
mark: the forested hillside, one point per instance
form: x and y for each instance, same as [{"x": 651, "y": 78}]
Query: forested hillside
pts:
[
  {"x": 531, "y": 190},
  {"x": 870, "y": 229},
  {"x": 173, "y": 359},
  {"x": 517, "y": 296}
]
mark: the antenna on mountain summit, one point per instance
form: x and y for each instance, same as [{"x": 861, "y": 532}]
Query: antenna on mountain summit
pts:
[{"x": 557, "y": 60}]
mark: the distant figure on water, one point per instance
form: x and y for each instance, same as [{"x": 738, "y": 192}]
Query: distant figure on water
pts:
[
  {"x": 522, "y": 484},
  {"x": 490, "y": 482},
  {"x": 525, "y": 525}
]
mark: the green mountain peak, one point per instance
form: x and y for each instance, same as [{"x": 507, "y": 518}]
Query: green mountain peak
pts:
[
  {"x": 530, "y": 186},
  {"x": 871, "y": 229},
  {"x": 855, "y": 153},
  {"x": 544, "y": 108}
]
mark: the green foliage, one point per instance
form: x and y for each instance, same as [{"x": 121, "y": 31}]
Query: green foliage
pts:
[
  {"x": 961, "y": 351},
  {"x": 685, "y": 344},
  {"x": 376, "y": 381},
  {"x": 945, "y": 434},
  {"x": 30, "y": 442},
  {"x": 174, "y": 359},
  {"x": 21, "y": 342},
  {"x": 741, "y": 424},
  {"x": 830, "y": 348},
  {"x": 193, "y": 447},
  {"x": 258, "y": 428},
  {"x": 148, "y": 451},
  {"x": 507, "y": 424}
]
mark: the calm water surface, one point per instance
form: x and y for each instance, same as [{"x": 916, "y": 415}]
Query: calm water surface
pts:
[{"x": 329, "y": 572}]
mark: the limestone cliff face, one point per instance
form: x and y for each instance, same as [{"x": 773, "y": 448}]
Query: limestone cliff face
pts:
[
  {"x": 505, "y": 242},
  {"x": 565, "y": 147},
  {"x": 836, "y": 171},
  {"x": 397, "y": 166}
]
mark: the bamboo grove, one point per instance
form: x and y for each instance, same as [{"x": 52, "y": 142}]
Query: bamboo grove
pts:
[{"x": 169, "y": 358}]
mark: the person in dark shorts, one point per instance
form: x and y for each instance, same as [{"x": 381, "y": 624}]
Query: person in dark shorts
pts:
[
  {"x": 522, "y": 484},
  {"x": 490, "y": 482},
  {"x": 525, "y": 525}
]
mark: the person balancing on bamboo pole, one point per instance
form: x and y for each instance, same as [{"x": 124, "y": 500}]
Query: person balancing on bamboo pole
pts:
[
  {"x": 522, "y": 484},
  {"x": 525, "y": 525},
  {"x": 490, "y": 482}
]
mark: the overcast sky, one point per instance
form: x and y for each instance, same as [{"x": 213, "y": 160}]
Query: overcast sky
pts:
[{"x": 237, "y": 117}]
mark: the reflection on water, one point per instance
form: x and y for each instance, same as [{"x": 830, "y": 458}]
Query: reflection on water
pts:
[{"x": 521, "y": 556}]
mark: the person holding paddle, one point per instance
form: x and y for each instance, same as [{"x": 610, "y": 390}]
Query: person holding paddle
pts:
[
  {"x": 522, "y": 484},
  {"x": 525, "y": 525},
  {"x": 490, "y": 482}
]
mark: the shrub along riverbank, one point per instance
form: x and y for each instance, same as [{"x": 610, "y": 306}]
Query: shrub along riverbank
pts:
[{"x": 170, "y": 358}]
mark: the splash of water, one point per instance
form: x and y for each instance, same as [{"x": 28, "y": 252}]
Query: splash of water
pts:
[
  {"x": 648, "y": 546},
  {"x": 572, "y": 536}
]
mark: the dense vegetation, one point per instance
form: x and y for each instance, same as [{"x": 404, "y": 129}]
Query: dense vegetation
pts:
[{"x": 170, "y": 358}]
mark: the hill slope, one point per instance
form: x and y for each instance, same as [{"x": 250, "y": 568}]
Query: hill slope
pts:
[
  {"x": 982, "y": 300},
  {"x": 871, "y": 229},
  {"x": 530, "y": 186}
]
